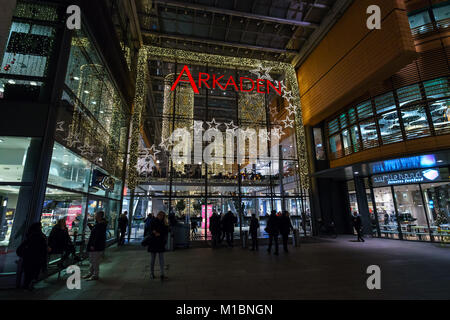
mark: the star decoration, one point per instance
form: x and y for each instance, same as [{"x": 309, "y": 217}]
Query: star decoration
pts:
[
  {"x": 288, "y": 123},
  {"x": 197, "y": 127},
  {"x": 288, "y": 95},
  {"x": 231, "y": 126},
  {"x": 60, "y": 126},
  {"x": 273, "y": 111},
  {"x": 166, "y": 143},
  {"x": 213, "y": 124},
  {"x": 262, "y": 72},
  {"x": 72, "y": 139},
  {"x": 264, "y": 135},
  {"x": 86, "y": 150},
  {"x": 283, "y": 86},
  {"x": 292, "y": 109}
]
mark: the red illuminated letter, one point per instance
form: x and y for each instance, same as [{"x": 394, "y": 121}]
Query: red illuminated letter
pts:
[
  {"x": 200, "y": 80},
  {"x": 242, "y": 88},
  {"x": 191, "y": 80}
]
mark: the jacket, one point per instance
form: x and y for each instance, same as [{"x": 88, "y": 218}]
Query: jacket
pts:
[
  {"x": 33, "y": 251},
  {"x": 157, "y": 243},
  {"x": 97, "y": 239},
  {"x": 214, "y": 224},
  {"x": 228, "y": 222},
  {"x": 357, "y": 223},
  {"x": 59, "y": 240},
  {"x": 273, "y": 226},
  {"x": 285, "y": 225},
  {"x": 123, "y": 223},
  {"x": 254, "y": 226}
]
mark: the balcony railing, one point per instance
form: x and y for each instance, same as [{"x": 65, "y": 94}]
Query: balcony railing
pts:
[{"x": 433, "y": 27}]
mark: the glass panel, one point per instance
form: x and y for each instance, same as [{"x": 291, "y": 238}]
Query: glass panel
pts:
[
  {"x": 369, "y": 134},
  {"x": 318, "y": 142},
  {"x": 419, "y": 19},
  {"x": 415, "y": 122},
  {"x": 390, "y": 128},
  {"x": 333, "y": 126},
  {"x": 14, "y": 207},
  {"x": 385, "y": 102},
  {"x": 442, "y": 13},
  {"x": 411, "y": 213},
  {"x": 336, "y": 147},
  {"x": 437, "y": 88},
  {"x": 364, "y": 110},
  {"x": 343, "y": 121},
  {"x": 352, "y": 116},
  {"x": 409, "y": 94},
  {"x": 18, "y": 158},
  {"x": 440, "y": 113},
  {"x": 347, "y": 142},
  {"x": 355, "y": 139},
  {"x": 68, "y": 170},
  {"x": 437, "y": 199},
  {"x": 386, "y": 212}
]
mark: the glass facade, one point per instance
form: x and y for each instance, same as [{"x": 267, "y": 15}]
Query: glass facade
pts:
[{"x": 412, "y": 112}]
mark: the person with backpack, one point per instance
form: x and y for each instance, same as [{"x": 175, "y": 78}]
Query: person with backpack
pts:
[
  {"x": 273, "y": 229},
  {"x": 96, "y": 245},
  {"x": 253, "y": 230},
  {"x": 33, "y": 251},
  {"x": 156, "y": 242}
]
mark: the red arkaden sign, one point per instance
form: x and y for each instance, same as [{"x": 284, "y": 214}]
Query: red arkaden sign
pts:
[{"x": 212, "y": 82}]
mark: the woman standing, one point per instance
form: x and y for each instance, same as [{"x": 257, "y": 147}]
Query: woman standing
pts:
[
  {"x": 157, "y": 242},
  {"x": 59, "y": 241}
]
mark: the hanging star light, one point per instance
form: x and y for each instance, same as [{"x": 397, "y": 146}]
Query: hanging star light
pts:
[
  {"x": 86, "y": 150},
  {"x": 213, "y": 124}
]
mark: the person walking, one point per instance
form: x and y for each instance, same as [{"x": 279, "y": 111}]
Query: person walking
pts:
[
  {"x": 285, "y": 229},
  {"x": 96, "y": 245},
  {"x": 273, "y": 230},
  {"x": 229, "y": 220},
  {"x": 253, "y": 230},
  {"x": 59, "y": 242},
  {"x": 214, "y": 228},
  {"x": 33, "y": 251},
  {"x": 357, "y": 224},
  {"x": 123, "y": 224},
  {"x": 156, "y": 241}
]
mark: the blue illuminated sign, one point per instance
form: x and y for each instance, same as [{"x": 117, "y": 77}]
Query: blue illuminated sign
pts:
[
  {"x": 406, "y": 177},
  {"x": 417, "y": 162}
]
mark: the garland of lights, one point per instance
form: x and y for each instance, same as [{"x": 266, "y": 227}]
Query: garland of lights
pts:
[{"x": 218, "y": 61}]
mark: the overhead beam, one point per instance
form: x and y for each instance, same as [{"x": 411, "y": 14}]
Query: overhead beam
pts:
[
  {"x": 216, "y": 42},
  {"x": 248, "y": 15}
]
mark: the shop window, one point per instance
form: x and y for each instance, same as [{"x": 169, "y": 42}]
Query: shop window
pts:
[
  {"x": 352, "y": 116},
  {"x": 343, "y": 121},
  {"x": 442, "y": 15},
  {"x": 411, "y": 212},
  {"x": 415, "y": 122},
  {"x": 385, "y": 103},
  {"x": 318, "y": 142},
  {"x": 409, "y": 94},
  {"x": 69, "y": 170},
  {"x": 437, "y": 201},
  {"x": 18, "y": 158},
  {"x": 346, "y": 139},
  {"x": 364, "y": 110},
  {"x": 336, "y": 147},
  {"x": 390, "y": 127},
  {"x": 333, "y": 126},
  {"x": 354, "y": 131},
  {"x": 437, "y": 88},
  {"x": 14, "y": 208},
  {"x": 369, "y": 134},
  {"x": 419, "y": 20},
  {"x": 440, "y": 113},
  {"x": 386, "y": 212}
]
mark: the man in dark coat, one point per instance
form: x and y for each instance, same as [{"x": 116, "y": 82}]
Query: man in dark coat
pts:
[
  {"x": 214, "y": 228},
  {"x": 253, "y": 230},
  {"x": 285, "y": 229},
  {"x": 156, "y": 242},
  {"x": 229, "y": 220},
  {"x": 273, "y": 229},
  {"x": 33, "y": 250},
  {"x": 123, "y": 224},
  {"x": 96, "y": 245},
  {"x": 357, "y": 224}
]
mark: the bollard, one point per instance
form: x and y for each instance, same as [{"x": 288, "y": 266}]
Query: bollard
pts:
[
  {"x": 245, "y": 240},
  {"x": 296, "y": 238}
]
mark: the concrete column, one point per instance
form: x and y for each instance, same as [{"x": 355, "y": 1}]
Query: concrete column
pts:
[{"x": 6, "y": 14}]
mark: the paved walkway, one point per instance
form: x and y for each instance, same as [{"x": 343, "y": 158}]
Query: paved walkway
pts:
[{"x": 326, "y": 269}]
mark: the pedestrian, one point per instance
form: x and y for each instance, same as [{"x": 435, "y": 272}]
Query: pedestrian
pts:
[
  {"x": 123, "y": 224},
  {"x": 273, "y": 230},
  {"x": 357, "y": 224},
  {"x": 96, "y": 245},
  {"x": 254, "y": 228},
  {"x": 33, "y": 251},
  {"x": 222, "y": 231},
  {"x": 229, "y": 220},
  {"x": 156, "y": 242},
  {"x": 285, "y": 229},
  {"x": 214, "y": 228},
  {"x": 60, "y": 243},
  {"x": 147, "y": 224}
]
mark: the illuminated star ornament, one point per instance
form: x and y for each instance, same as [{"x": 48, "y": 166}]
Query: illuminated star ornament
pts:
[
  {"x": 262, "y": 72},
  {"x": 166, "y": 143},
  {"x": 288, "y": 123},
  {"x": 86, "y": 150},
  {"x": 213, "y": 124},
  {"x": 59, "y": 126},
  {"x": 231, "y": 127},
  {"x": 72, "y": 139},
  {"x": 197, "y": 127},
  {"x": 292, "y": 109}
]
